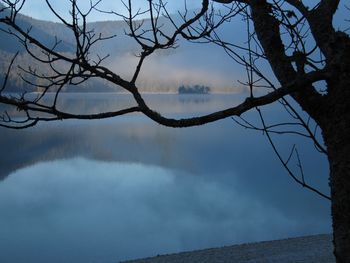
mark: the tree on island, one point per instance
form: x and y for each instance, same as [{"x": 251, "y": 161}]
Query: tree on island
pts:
[
  {"x": 309, "y": 58},
  {"x": 195, "y": 89}
]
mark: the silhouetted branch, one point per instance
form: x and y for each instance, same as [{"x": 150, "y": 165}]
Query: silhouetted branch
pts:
[
  {"x": 285, "y": 163},
  {"x": 8, "y": 73}
]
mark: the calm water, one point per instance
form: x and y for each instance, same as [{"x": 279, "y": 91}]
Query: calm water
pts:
[{"x": 104, "y": 191}]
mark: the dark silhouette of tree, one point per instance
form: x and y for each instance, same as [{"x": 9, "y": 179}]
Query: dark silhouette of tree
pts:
[
  {"x": 195, "y": 89},
  {"x": 309, "y": 58}
]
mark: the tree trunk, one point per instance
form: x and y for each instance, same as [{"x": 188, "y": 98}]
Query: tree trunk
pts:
[
  {"x": 338, "y": 155},
  {"x": 336, "y": 132}
]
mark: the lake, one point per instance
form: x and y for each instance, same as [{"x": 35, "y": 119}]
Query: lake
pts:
[{"x": 123, "y": 188}]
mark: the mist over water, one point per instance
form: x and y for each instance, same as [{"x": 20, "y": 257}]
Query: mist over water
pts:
[
  {"x": 124, "y": 188},
  {"x": 90, "y": 211}
]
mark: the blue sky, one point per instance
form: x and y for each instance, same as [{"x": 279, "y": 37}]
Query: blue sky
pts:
[{"x": 38, "y": 8}]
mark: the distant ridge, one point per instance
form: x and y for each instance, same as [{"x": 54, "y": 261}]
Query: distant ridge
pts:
[
  {"x": 307, "y": 249},
  {"x": 189, "y": 64}
]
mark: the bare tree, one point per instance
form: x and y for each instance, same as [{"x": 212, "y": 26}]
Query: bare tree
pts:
[{"x": 299, "y": 43}]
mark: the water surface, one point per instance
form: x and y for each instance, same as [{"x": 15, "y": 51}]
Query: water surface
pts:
[{"x": 103, "y": 191}]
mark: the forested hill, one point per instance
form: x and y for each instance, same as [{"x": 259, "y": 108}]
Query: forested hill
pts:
[
  {"x": 164, "y": 71},
  {"x": 48, "y": 33}
]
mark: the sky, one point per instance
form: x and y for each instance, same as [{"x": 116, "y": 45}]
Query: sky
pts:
[{"x": 38, "y": 8}]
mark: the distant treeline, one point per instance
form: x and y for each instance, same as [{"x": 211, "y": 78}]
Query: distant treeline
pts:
[{"x": 195, "y": 89}]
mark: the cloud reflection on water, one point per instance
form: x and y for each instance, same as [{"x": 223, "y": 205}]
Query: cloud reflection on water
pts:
[{"x": 70, "y": 207}]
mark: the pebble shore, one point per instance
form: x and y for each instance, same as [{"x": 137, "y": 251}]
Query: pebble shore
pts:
[{"x": 307, "y": 249}]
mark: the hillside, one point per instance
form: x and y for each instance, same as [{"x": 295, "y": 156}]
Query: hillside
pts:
[
  {"x": 166, "y": 70},
  {"x": 48, "y": 33}
]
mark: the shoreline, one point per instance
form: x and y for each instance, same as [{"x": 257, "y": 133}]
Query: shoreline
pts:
[
  {"x": 304, "y": 249},
  {"x": 127, "y": 93}
]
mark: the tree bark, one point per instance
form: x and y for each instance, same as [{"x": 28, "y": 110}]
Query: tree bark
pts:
[
  {"x": 336, "y": 133},
  {"x": 338, "y": 155},
  {"x": 337, "y": 138}
]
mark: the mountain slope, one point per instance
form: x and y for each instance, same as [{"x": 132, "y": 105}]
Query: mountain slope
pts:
[{"x": 164, "y": 71}]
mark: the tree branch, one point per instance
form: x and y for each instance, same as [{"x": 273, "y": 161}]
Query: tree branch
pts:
[
  {"x": 268, "y": 33},
  {"x": 249, "y": 103}
]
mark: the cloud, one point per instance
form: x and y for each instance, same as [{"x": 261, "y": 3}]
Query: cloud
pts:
[{"x": 91, "y": 211}]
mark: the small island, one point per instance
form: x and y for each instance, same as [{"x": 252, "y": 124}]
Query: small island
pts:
[{"x": 195, "y": 89}]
